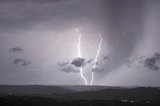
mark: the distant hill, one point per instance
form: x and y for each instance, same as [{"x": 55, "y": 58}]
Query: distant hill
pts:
[
  {"x": 37, "y": 89},
  {"x": 80, "y": 88},
  {"x": 79, "y": 92},
  {"x": 33, "y": 89}
]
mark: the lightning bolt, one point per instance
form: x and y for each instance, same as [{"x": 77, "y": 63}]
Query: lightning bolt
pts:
[
  {"x": 79, "y": 55},
  {"x": 79, "y": 43},
  {"x": 96, "y": 58},
  {"x": 51, "y": 47}
]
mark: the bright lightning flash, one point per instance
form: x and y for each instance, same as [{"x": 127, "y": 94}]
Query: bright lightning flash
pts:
[
  {"x": 79, "y": 55},
  {"x": 96, "y": 58}
]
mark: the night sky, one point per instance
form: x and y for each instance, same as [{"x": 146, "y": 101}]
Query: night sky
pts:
[{"x": 38, "y": 42}]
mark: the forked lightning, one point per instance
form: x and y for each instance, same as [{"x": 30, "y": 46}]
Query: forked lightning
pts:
[{"x": 96, "y": 59}]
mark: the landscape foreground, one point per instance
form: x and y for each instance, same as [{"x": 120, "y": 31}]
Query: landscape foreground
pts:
[{"x": 78, "y": 95}]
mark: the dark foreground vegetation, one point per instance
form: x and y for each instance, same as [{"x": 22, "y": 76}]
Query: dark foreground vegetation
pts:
[
  {"x": 41, "y": 101},
  {"x": 40, "y": 95}
]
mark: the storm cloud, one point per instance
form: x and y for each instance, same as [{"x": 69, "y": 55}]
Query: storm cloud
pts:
[
  {"x": 22, "y": 62},
  {"x": 78, "y": 62},
  {"x": 152, "y": 62},
  {"x": 15, "y": 50},
  {"x": 69, "y": 69},
  {"x": 129, "y": 28}
]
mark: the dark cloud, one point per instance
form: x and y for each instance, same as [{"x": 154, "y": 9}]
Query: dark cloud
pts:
[
  {"x": 21, "y": 61},
  {"x": 15, "y": 50},
  {"x": 78, "y": 62},
  {"x": 74, "y": 65},
  {"x": 81, "y": 62},
  {"x": 151, "y": 62},
  {"x": 157, "y": 56},
  {"x": 137, "y": 62},
  {"x": 69, "y": 69}
]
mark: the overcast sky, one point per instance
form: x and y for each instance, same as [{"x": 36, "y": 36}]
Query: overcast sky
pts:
[{"x": 38, "y": 41}]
